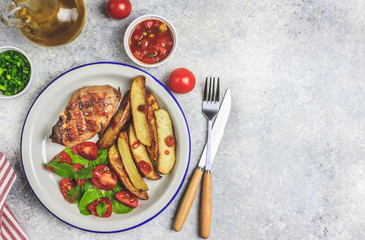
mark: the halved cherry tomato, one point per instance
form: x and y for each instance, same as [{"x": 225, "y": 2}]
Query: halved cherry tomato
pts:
[
  {"x": 181, "y": 80},
  {"x": 92, "y": 207},
  {"x": 127, "y": 198},
  {"x": 87, "y": 150},
  {"x": 66, "y": 185},
  {"x": 77, "y": 167},
  {"x": 65, "y": 158},
  {"x": 104, "y": 177}
]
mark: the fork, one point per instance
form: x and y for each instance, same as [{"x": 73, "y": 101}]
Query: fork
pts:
[{"x": 210, "y": 110}]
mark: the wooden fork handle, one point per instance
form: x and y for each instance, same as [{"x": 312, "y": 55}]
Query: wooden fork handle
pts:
[
  {"x": 188, "y": 199},
  {"x": 206, "y": 205}
]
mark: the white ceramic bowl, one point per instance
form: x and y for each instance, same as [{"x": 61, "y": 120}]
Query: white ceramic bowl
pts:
[
  {"x": 131, "y": 28},
  {"x": 8, "y": 48}
]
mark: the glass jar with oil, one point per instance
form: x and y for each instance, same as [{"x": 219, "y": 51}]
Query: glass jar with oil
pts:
[{"x": 47, "y": 22}]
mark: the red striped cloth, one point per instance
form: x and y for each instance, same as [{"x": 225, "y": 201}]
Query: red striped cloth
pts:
[{"x": 9, "y": 226}]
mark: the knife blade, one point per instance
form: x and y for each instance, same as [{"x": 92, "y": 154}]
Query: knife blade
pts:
[{"x": 218, "y": 128}]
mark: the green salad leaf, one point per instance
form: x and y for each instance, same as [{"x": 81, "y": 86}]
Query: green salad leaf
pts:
[
  {"x": 101, "y": 209},
  {"x": 52, "y": 163},
  {"x": 101, "y": 159},
  {"x": 91, "y": 195},
  {"x": 76, "y": 158},
  {"x": 118, "y": 207},
  {"x": 72, "y": 193},
  {"x": 64, "y": 170},
  {"x": 84, "y": 173}
]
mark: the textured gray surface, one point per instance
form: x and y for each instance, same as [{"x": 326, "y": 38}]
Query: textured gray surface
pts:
[{"x": 291, "y": 164}]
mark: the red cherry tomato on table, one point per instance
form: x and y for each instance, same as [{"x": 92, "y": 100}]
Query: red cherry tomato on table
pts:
[
  {"x": 87, "y": 150},
  {"x": 77, "y": 167},
  {"x": 127, "y": 198},
  {"x": 65, "y": 158},
  {"x": 118, "y": 9},
  {"x": 66, "y": 185},
  {"x": 92, "y": 207},
  {"x": 181, "y": 80},
  {"x": 104, "y": 177}
]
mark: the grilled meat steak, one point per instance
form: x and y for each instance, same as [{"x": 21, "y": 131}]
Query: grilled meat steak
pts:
[{"x": 87, "y": 113}]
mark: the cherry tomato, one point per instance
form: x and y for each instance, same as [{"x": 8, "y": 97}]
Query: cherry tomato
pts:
[
  {"x": 65, "y": 158},
  {"x": 181, "y": 80},
  {"x": 77, "y": 167},
  {"x": 87, "y": 150},
  {"x": 127, "y": 198},
  {"x": 104, "y": 177},
  {"x": 118, "y": 9},
  {"x": 92, "y": 207},
  {"x": 66, "y": 185}
]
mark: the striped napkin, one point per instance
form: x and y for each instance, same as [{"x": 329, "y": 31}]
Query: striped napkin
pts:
[{"x": 9, "y": 226}]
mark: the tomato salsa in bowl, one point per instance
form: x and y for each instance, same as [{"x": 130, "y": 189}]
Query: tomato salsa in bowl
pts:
[{"x": 150, "y": 40}]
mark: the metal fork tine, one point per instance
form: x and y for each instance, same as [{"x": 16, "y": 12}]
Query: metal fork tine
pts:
[
  {"x": 213, "y": 91},
  {"x": 205, "y": 90},
  {"x": 217, "y": 93},
  {"x": 210, "y": 89}
]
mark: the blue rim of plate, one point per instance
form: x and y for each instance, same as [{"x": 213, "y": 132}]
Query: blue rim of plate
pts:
[{"x": 186, "y": 170}]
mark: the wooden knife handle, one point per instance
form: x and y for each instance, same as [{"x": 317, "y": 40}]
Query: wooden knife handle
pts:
[
  {"x": 188, "y": 199},
  {"x": 206, "y": 205}
]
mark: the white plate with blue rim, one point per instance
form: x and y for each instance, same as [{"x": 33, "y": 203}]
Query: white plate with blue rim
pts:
[{"x": 36, "y": 147}]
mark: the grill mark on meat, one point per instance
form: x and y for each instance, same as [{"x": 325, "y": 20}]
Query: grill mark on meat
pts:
[
  {"x": 88, "y": 112},
  {"x": 71, "y": 121},
  {"x": 79, "y": 117},
  {"x": 89, "y": 115}
]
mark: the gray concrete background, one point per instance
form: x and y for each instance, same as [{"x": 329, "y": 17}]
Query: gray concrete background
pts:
[{"x": 291, "y": 164}]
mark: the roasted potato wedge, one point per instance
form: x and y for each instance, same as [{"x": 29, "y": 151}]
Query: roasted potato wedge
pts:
[
  {"x": 139, "y": 110},
  {"x": 140, "y": 156},
  {"x": 152, "y": 107},
  {"x": 166, "y": 142},
  {"x": 116, "y": 163},
  {"x": 119, "y": 122},
  {"x": 128, "y": 163}
]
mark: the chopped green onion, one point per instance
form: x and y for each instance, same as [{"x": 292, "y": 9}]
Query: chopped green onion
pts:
[
  {"x": 150, "y": 55},
  {"x": 14, "y": 72}
]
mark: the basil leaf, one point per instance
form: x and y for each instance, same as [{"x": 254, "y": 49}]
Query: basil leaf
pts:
[
  {"x": 101, "y": 209},
  {"x": 82, "y": 190},
  {"x": 85, "y": 186},
  {"x": 101, "y": 159},
  {"x": 84, "y": 173},
  {"x": 76, "y": 158},
  {"x": 72, "y": 193},
  {"x": 52, "y": 163},
  {"x": 110, "y": 194},
  {"x": 64, "y": 170},
  {"x": 117, "y": 188},
  {"x": 91, "y": 195},
  {"x": 117, "y": 207}
]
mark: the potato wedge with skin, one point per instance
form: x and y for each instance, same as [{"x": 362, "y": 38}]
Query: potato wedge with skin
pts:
[
  {"x": 128, "y": 163},
  {"x": 139, "y": 110},
  {"x": 117, "y": 165},
  {"x": 152, "y": 107},
  {"x": 119, "y": 122},
  {"x": 140, "y": 156},
  {"x": 166, "y": 141}
]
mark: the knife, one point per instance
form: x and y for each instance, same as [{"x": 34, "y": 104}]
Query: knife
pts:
[
  {"x": 217, "y": 134},
  {"x": 218, "y": 128}
]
